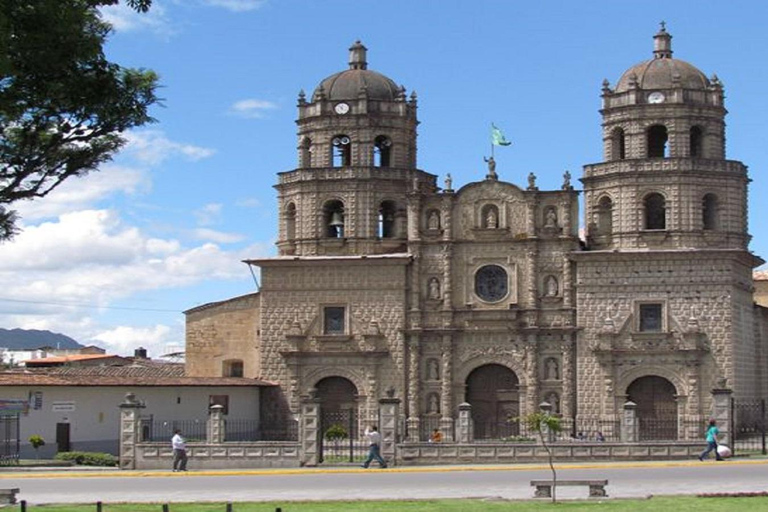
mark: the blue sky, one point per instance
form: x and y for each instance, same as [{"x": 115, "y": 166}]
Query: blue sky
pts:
[{"x": 113, "y": 259}]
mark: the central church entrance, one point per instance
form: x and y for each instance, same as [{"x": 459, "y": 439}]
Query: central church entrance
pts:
[
  {"x": 493, "y": 392},
  {"x": 656, "y": 407}
]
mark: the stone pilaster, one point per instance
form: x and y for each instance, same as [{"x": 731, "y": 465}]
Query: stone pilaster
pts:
[
  {"x": 388, "y": 414},
  {"x": 310, "y": 431},
  {"x": 414, "y": 360},
  {"x": 568, "y": 399},
  {"x": 465, "y": 432},
  {"x": 215, "y": 426},
  {"x": 629, "y": 430},
  {"x": 721, "y": 412},
  {"x": 129, "y": 430}
]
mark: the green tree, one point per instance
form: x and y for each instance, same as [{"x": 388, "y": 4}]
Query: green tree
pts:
[
  {"x": 543, "y": 423},
  {"x": 63, "y": 105},
  {"x": 36, "y": 441}
]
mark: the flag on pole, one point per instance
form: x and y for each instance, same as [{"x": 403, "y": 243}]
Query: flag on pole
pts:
[{"x": 497, "y": 138}]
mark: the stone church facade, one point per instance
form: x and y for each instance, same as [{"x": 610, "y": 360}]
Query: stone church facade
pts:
[{"x": 387, "y": 283}]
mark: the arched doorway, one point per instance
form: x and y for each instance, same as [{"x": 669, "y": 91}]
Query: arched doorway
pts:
[
  {"x": 493, "y": 392},
  {"x": 656, "y": 407},
  {"x": 339, "y": 427}
]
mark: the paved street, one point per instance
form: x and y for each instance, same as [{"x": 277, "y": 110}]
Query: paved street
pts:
[{"x": 507, "y": 482}]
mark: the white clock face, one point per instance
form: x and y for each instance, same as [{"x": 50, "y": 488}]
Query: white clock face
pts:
[
  {"x": 656, "y": 97},
  {"x": 341, "y": 108}
]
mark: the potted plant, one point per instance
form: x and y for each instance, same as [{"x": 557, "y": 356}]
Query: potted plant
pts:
[{"x": 36, "y": 441}]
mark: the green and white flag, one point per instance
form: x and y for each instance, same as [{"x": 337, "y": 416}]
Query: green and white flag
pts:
[{"x": 497, "y": 138}]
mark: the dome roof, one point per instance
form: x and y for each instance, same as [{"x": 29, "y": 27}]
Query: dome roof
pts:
[
  {"x": 357, "y": 80},
  {"x": 663, "y": 71}
]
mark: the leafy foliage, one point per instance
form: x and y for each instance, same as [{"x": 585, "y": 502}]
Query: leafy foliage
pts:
[
  {"x": 36, "y": 441},
  {"x": 63, "y": 105},
  {"x": 544, "y": 424},
  {"x": 336, "y": 433},
  {"x": 88, "y": 458}
]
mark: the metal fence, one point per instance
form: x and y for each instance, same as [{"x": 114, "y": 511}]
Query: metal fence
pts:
[
  {"x": 427, "y": 425},
  {"x": 341, "y": 441},
  {"x": 749, "y": 425},
  {"x": 9, "y": 439},
  {"x": 153, "y": 430},
  {"x": 253, "y": 430}
]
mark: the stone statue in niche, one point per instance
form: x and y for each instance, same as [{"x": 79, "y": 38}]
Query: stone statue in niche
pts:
[
  {"x": 553, "y": 369},
  {"x": 551, "y": 287},
  {"x": 550, "y": 218},
  {"x": 554, "y": 401},
  {"x": 433, "y": 404},
  {"x": 491, "y": 219},
  {"x": 433, "y": 370},
  {"x": 433, "y": 222},
  {"x": 434, "y": 288}
]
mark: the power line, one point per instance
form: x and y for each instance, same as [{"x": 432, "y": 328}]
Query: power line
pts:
[{"x": 86, "y": 305}]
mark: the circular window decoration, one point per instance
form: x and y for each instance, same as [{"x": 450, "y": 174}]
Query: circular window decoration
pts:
[{"x": 491, "y": 283}]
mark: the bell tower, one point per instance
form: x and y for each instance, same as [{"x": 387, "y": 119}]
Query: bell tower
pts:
[
  {"x": 356, "y": 166},
  {"x": 665, "y": 182}
]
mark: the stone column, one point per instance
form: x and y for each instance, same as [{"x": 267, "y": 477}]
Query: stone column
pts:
[
  {"x": 310, "y": 430},
  {"x": 414, "y": 378},
  {"x": 446, "y": 391},
  {"x": 465, "y": 432},
  {"x": 721, "y": 412},
  {"x": 215, "y": 427},
  {"x": 629, "y": 433},
  {"x": 388, "y": 414},
  {"x": 129, "y": 430},
  {"x": 567, "y": 405}
]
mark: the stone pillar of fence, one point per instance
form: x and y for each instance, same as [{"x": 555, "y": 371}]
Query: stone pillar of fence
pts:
[
  {"x": 388, "y": 414},
  {"x": 447, "y": 429},
  {"x": 546, "y": 408},
  {"x": 129, "y": 430},
  {"x": 721, "y": 411},
  {"x": 629, "y": 432},
  {"x": 309, "y": 430},
  {"x": 465, "y": 431},
  {"x": 215, "y": 429}
]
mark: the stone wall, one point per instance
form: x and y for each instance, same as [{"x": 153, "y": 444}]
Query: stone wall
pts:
[
  {"x": 220, "y": 332},
  {"x": 231, "y": 455}
]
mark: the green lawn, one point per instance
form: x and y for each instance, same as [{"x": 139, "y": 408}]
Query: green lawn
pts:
[{"x": 657, "y": 504}]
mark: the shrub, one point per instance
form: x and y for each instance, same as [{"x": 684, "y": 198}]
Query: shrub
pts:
[
  {"x": 336, "y": 433},
  {"x": 88, "y": 458},
  {"x": 36, "y": 441}
]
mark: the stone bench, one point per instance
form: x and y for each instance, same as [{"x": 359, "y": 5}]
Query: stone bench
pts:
[
  {"x": 8, "y": 496},
  {"x": 544, "y": 487}
]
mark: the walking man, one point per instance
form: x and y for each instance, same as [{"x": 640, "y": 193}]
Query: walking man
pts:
[
  {"x": 179, "y": 451},
  {"x": 374, "y": 447}
]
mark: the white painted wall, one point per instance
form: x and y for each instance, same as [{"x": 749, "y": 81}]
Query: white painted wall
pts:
[{"x": 93, "y": 412}]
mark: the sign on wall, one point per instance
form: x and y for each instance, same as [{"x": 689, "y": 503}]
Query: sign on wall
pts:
[{"x": 63, "y": 406}]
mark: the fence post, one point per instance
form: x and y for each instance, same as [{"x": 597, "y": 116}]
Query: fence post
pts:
[
  {"x": 762, "y": 423},
  {"x": 465, "y": 431},
  {"x": 546, "y": 409},
  {"x": 629, "y": 432},
  {"x": 214, "y": 431},
  {"x": 129, "y": 430},
  {"x": 310, "y": 430},
  {"x": 722, "y": 412},
  {"x": 388, "y": 414}
]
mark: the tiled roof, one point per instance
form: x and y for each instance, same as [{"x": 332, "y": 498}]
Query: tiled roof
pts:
[
  {"x": 131, "y": 375},
  {"x": 73, "y": 358}
]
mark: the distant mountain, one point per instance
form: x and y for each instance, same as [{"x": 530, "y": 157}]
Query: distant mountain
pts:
[{"x": 15, "y": 339}]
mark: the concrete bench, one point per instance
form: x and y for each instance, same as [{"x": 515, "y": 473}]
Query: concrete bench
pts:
[
  {"x": 8, "y": 496},
  {"x": 544, "y": 487}
]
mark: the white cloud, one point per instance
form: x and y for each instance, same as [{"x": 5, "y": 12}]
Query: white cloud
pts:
[
  {"x": 251, "y": 108},
  {"x": 124, "y": 19},
  {"x": 236, "y": 5},
  {"x": 217, "y": 236},
  {"x": 250, "y": 202},
  {"x": 152, "y": 147},
  {"x": 125, "y": 339},
  {"x": 209, "y": 214}
]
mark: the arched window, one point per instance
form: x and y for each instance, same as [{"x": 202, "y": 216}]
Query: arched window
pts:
[
  {"x": 617, "y": 144},
  {"x": 305, "y": 148},
  {"x": 382, "y": 148},
  {"x": 605, "y": 216},
  {"x": 290, "y": 221},
  {"x": 657, "y": 141},
  {"x": 709, "y": 212},
  {"x": 333, "y": 219},
  {"x": 490, "y": 217},
  {"x": 387, "y": 219},
  {"x": 233, "y": 368},
  {"x": 696, "y": 142},
  {"x": 342, "y": 151},
  {"x": 655, "y": 211}
]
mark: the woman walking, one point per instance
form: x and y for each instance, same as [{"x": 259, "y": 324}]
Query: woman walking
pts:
[{"x": 711, "y": 436}]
